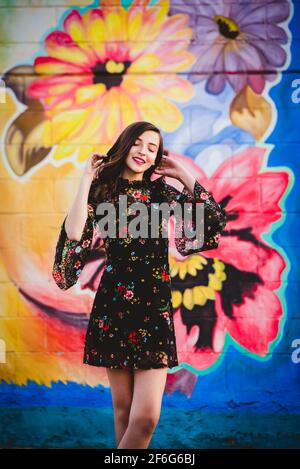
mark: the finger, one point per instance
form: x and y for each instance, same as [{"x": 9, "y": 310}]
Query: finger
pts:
[
  {"x": 98, "y": 159},
  {"x": 96, "y": 175},
  {"x": 98, "y": 163}
]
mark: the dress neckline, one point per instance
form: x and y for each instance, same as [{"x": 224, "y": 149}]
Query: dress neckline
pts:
[
  {"x": 134, "y": 183},
  {"x": 125, "y": 182}
]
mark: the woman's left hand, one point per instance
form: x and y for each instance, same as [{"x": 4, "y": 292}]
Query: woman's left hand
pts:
[{"x": 170, "y": 167}]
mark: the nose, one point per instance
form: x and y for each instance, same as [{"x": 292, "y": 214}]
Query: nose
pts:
[{"x": 142, "y": 150}]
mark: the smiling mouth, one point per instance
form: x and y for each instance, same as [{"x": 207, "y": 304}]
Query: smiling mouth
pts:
[{"x": 138, "y": 160}]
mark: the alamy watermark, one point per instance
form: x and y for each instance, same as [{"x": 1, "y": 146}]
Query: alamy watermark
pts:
[
  {"x": 296, "y": 353},
  {"x": 296, "y": 93},
  {"x": 189, "y": 220}
]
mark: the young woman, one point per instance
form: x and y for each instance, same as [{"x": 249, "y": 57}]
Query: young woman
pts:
[{"x": 131, "y": 329}]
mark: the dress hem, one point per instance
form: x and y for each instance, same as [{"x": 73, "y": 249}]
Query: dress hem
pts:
[{"x": 107, "y": 365}]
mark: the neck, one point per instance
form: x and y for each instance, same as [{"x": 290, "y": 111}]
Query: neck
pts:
[{"x": 132, "y": 176}]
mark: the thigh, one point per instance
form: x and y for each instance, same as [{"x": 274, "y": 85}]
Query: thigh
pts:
[
  {"x": 149, "y": 386},
  {"x": 121, "y": 384}
]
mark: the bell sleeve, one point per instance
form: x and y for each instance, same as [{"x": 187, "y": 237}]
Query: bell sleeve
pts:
[
  {"x": 71, "y": 255},
  {"x": 214, "y": 218}
]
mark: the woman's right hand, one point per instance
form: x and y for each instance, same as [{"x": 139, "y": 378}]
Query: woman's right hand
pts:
[{"x": 94, "y": 165}]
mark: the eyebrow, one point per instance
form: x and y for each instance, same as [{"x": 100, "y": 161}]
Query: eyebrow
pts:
[{"x": 150, "y": 143}]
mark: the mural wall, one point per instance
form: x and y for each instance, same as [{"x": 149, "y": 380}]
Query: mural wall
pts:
[{"x": 221, "y": 80}]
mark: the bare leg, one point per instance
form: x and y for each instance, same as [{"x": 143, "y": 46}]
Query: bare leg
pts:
[
  {"x": 145, "y": 409},
  {"x": 121, "y": 384}
]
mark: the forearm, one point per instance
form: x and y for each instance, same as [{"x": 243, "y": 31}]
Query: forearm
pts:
[
  {"x": 188, "y": 180},
  {"x": 77, "y": 214},
  {"x": 216, "y": 215}
]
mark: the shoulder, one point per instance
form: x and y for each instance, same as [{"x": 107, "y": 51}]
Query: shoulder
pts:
[
  {"x": 165, "y": 187},
  {"x": 160, "y": 181},
  {"x": 166, "y": 192},
  {"x": 159, "y": 186}
]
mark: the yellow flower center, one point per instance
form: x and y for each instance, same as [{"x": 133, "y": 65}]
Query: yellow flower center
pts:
[
  {"x": 227, "y": 27},
  {"x": 114, "y": 67},
  {"x": 198, "y": 294}
]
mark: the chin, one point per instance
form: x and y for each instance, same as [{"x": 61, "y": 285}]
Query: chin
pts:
[{"x": 138, "y": 171}]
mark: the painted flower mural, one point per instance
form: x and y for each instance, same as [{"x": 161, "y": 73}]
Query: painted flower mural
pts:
[
  {"x": 230, "y": 292},
  {"x": 237, "y": 42},
  {"x": 103, "y": 68}
]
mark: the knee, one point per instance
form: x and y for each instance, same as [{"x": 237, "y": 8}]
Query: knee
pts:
[
  {"x": 144, "y": 423},
  {"x": 122, "y": 410},
  {"x": 122, "y": 414}
]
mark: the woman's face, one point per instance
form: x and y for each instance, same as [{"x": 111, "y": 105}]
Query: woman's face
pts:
[{"x": 143, "y": 152}]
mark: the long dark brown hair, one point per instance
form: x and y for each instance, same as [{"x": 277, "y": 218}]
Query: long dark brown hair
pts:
[{"x": 106, "y": 185}]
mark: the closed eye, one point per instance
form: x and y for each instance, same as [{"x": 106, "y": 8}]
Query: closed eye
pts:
[{"x": 136, "y": 143}]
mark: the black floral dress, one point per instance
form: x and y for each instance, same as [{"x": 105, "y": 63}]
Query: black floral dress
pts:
[{"x": 131, "y": 323}]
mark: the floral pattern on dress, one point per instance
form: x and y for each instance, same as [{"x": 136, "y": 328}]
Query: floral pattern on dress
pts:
[
  {"x": 71, "y": 255},
  {"x": 214, "y": 218},
  {"x": 131, "y": 324}
]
